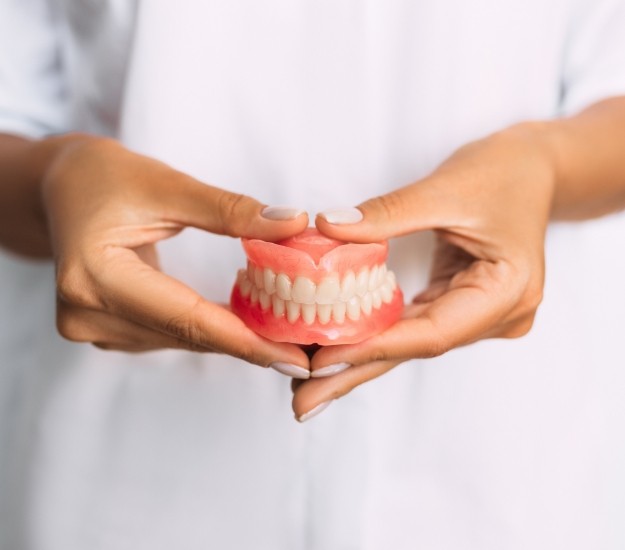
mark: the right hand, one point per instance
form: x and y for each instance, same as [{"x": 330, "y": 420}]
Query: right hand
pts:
[{"x": 106, "y": 208}]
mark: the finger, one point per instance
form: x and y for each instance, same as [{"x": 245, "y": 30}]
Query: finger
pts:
[
  {"x": 475, "y": 303},
  {"x": 219, "y": 211},
  {"x": 311, "y": 395},
  {"x": 416, "y": 207},
  {"x": 109, "y": 332},
  {"x": 133, "y": 290}
]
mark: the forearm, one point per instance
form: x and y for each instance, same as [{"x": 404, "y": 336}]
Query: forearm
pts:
[
  {"x": 23, "y": 165},
  {"x": 587, "y": 153}
]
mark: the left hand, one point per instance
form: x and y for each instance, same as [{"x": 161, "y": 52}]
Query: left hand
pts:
[{"x": 489, "y": 205}]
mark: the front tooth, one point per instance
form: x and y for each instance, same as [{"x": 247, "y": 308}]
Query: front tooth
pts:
[
  {"x": 283, "y": 286},
  {"x": 258, "y": 277},
  {"x": 366, "y": 303},
  {"x": 303, "y": 290},
  {"x": 308, "y": 313},
  {"x": 264, "y": 299},
  {"x": 246, "y": 287},
  {"x": 278, "y": 305},
  {"x": 328, "y": 290},
  {"x": 292, "y": 311},
  {"x": 362, "y": 282},
  {"x": 387, "y": 293},
  {"x": 376, "y": 297},
  {"x": 269, "y": 281},
  {"x": 353, "y": 308},
  {"x": 324, "y": 311},
  {"x": 338, "y": 311},
  {"x": 348, "y": 286},
  {"x": 373, "y": 278},
  {"x": 254, "y": 295}
]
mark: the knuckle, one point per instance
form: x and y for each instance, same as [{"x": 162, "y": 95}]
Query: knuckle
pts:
[
  {"x": 388, "y": 206},
  {"x": 73, "y": 286},
  {"x": 520, "y": 328},
  {"x": 231, "y": 210},
  {"x": 186, "y": 327},
  {"x": 71, "y": 327}
]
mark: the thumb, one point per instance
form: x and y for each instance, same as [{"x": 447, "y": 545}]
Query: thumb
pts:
[
  {"x": 416, "y": 207},
  {"x": 226, "y": 213}
]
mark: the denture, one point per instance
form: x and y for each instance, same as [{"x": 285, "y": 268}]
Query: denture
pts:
[{"x": 310, "y": 289}]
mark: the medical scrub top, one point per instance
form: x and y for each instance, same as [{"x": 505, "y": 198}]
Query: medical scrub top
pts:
[{"x": 498, "y": 445}]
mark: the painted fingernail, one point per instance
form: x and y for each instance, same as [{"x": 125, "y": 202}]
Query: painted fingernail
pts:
[
  {"x": 290, "y": 370},
  {"x": 281, "y": 213},
  {"x": 342, "y": 216},
  {"x": 330, "y": 370},
  {"x": 315, "y": 411}
]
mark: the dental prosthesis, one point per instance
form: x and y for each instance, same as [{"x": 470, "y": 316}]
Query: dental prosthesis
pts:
[{"x": 310, "y": 289}]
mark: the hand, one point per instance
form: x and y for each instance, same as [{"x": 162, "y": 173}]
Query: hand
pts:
[
  {"x": 489, "y": 206},
  {"x": 106, "y": 208}
]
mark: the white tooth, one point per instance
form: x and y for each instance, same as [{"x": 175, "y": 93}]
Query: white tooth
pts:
[
  {"x": 292, "y": 311},
  {"x": 278, "y": 305},
  {"x": 303, "y": 290},
  {"x": 390, "y": 278},
  {"x": 246, "y": 287},
  {"x": 241, "y": 275},
  {"x": 366, "y": 303},
  {"x": 250, "y": 271},
  {"x": 283, "y": 286},
  {"x": 308, "y": 313},
  {"x": 376, "y": 297},
  {"x": 381, "y": 276},
  {"x": 387, "y": 293},
  {"x": 353, "y": 308},
  {"x": 323, "y": 313},
  {"x": 254, "y": 295},
  {"x": 373, "y": 278},
  {"x": 348, "y": 286},
  {"x": 258, "y": 277},
  {"x": 269, "y": 281},
  {"x": 362, "y": 281},
  {"x": 338, "y": 311},
  {"x": 264, "y": 299},
  {"x": 328, "y": 290}
]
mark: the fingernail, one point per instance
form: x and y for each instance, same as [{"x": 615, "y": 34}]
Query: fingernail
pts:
[
  {"x": 330, "y": 370},
  {"x": 342, "y": 216},
  {"x": 315, "y": 411},
  {"x": 290, "y": 370},
  {"x": 281, "y": 213}
]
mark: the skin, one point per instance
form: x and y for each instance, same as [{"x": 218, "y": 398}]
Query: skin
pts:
[
  {"x": 98, "y": 210},
  {"x": 489, "y": 205}
]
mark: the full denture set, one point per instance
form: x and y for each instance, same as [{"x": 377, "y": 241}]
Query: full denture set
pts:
[{"x": 310, "y": 289}]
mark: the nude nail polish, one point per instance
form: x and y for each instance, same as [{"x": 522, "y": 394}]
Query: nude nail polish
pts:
[
  {"x": 330, "y": 370},
  {"x": 342, "y": 216},
  {"x": 290, "y": 370},
  {"x": 281, "y": 213},
  {"x": 315, "y": 411}
]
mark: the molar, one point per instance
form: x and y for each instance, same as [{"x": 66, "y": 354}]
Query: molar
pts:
[
  {"x": 264, "y": 299},
  {"x": 258, "y": 277},
  {"x": 376, "y": 297},
  {"x": 254, "y": 294},
  {"x": 366, "y": 303}
]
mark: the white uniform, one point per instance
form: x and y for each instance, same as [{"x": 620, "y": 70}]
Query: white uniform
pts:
[{"x": 500, "y": 445}]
